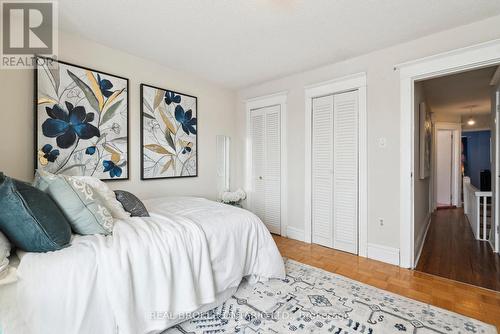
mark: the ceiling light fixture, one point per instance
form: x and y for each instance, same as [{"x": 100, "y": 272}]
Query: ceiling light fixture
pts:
[{"x": 471, "y": 120}]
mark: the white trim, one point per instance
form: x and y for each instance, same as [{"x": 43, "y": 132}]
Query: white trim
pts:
[
  {"x": 468, "y": 58},
  {"x": 457, "y": 60},
  {"x": 456, "y": 154},
  {"x": 383, "y": 253},
  {"x": 421, "y": 241},
  {"x": 474, "y": 130},
  {"x": 267, "y": 100},
  {"x": 295, "y": 233},
  {"x": 495, "y": 79},
  {"x": 347, "y": 83},
  {"x": 496, "y": 163},
  {"x": 280, "y": 99}
]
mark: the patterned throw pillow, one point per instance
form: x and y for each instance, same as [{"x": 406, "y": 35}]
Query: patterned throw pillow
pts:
[
  {"x": 107, "y": 194},
  {"x": 81, "y": 204}
]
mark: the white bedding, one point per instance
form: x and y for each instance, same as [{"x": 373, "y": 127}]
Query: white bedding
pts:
[{"x": 139, "y": 280}]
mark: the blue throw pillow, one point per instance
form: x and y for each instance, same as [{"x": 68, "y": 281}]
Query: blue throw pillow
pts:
[{"x": 30, "y": 219}]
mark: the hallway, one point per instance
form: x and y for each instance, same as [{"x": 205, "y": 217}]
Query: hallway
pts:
[{"x": 451, "y": 251}]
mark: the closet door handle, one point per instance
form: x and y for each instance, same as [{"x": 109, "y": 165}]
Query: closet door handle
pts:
[{"x": 261, "y": 178}]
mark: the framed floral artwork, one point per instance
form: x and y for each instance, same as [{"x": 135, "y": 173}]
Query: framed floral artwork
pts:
[
  {"x": 81, "y": 121},
  {"x": 169, "y": 134}
]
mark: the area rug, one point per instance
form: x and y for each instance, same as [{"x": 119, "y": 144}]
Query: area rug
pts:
[{"x": 311, "y": 300}]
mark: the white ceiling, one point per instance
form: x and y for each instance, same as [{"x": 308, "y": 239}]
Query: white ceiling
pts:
[
  {"x": 461, "y": 94},
  {"x": 237, "y": 43}
]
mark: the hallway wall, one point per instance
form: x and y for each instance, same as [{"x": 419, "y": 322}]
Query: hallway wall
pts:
[{"x": 422, "y": 187}]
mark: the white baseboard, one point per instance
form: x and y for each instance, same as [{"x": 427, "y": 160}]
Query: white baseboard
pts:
[
  {"x": 421, "y": 240},
  {"x": 383, "y": 253},
  {"x": 491, "y": 245},
  {"x": 295, "y": 233}
]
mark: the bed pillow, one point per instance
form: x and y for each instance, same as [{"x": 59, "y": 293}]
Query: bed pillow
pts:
[
  {"x": 4, "y": 254},
  {"x": 131, "y": 204},
  {"x": 107, "y": 194},
  {"x": 30, "y": 219},
  {"x": 83, "y": 207}
]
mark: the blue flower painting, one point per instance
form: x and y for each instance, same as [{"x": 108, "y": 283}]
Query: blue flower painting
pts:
[
  {"x": 112, "y": 168},
  {"x": 47, "y": 154},
  {"x": 67, "y": 126},
  {"x": 169, "y": 134},
  {"x": 185, "y": 119},
  {"x": 82, "y": 121}
]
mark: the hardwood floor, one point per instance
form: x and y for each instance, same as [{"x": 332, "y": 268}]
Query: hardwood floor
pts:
[
  {"x": 475, "y": 302},
  {"x": 450, "y": 250}
]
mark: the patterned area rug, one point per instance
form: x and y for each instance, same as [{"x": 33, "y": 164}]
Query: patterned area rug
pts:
[{"x": 311, "y": 300}]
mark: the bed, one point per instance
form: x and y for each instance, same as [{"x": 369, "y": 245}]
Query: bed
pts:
[{"x": 153, "y": 272}]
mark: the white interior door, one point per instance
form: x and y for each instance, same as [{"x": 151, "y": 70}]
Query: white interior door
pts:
[
  {"x": 322, "y": 171},
  {"x": 272, "y": 175},
  {"x": 444, "y": 163},
  {"x": 257, "y": 123},
  {"x": 266, "y": 166},
  {"x": 345, "y": 172},
  {"x": 335, "y": 171}
]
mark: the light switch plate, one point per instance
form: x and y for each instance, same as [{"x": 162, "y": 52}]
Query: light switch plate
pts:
[{"x": 382, "y": 142}]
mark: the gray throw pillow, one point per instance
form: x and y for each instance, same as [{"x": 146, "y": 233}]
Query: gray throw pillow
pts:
[{"x": 131, "y": 204}]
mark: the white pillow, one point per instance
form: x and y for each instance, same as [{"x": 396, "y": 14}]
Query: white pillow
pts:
[
  {"x": 4, "y": 254},
  {"x": 107, "y": 194},
  {"x": 10, "y": 273}
]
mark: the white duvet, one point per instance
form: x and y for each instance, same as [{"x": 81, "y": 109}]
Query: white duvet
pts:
[{"x": 144, "y": 277}]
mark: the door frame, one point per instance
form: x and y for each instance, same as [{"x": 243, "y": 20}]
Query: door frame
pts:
[
  {"x": 495, "y": 82},
  {"x": 339, "y": 85},
  {"x": 456, "y": 128},
  {"x": 259, "y": 102},
  {"x": 464, "y": 59}
]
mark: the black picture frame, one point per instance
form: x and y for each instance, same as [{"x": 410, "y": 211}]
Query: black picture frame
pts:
[
  {"x": 36, "y": 110},
  {"x": 143, "y": 177}
]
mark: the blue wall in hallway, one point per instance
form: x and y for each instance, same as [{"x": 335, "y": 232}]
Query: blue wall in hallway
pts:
[{"x": 478, "y": 154}]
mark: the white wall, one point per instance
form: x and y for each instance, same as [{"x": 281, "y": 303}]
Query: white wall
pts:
[
  {"x": 383, "y": 121},
  {"x": 216, "y": 115},
  {"x": 446, "y": 118}
]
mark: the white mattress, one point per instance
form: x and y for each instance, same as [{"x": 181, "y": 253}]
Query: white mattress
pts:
[{"x": 190, "y": 253}]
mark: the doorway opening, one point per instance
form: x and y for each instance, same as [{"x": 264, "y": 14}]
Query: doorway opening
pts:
[{"x": 456, "y": 147}]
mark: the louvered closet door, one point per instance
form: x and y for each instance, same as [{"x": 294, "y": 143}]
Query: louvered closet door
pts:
[
  {"x": 266, "y": 166},
  {"x": 272, "y": 178},
  {"x": 322, "y": 170},
  {"x": 345, "y": 172},
  {"x": 258, "y": 162}
]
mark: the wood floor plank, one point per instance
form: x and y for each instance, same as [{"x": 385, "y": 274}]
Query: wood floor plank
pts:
[
  {"x": 465, "y": 299},
  {"x": 450, "y": 250}
]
